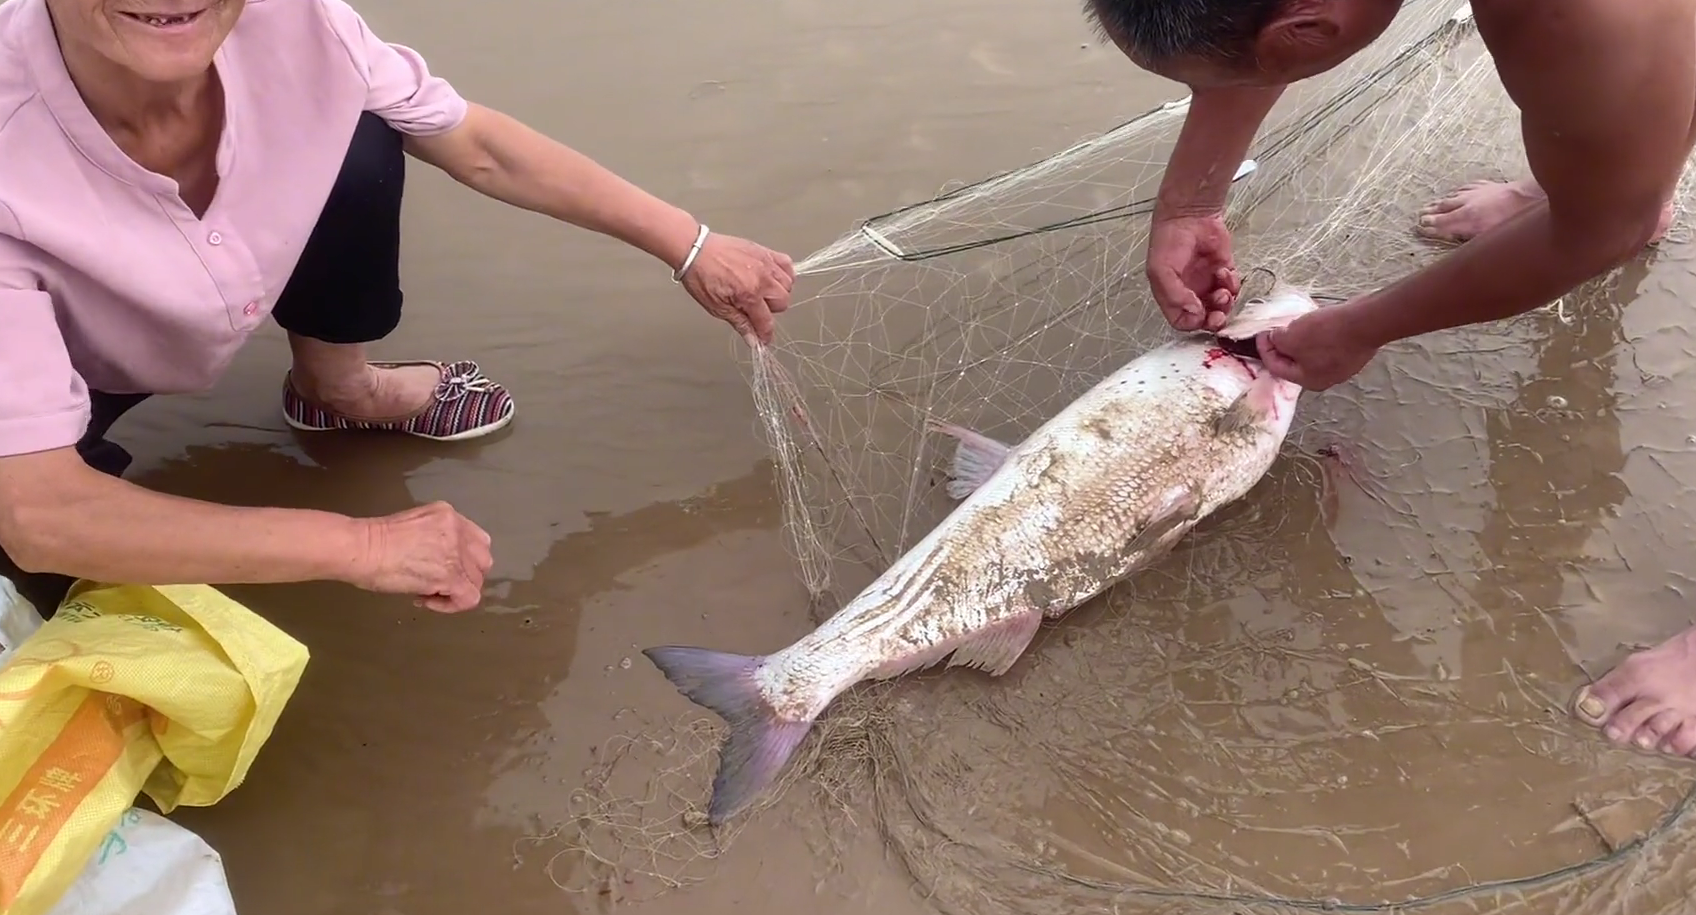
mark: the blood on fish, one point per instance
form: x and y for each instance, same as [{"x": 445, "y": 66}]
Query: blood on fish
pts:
[{"x": 1216, "y": 354}]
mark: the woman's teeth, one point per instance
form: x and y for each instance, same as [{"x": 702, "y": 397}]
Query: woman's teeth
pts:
[{"x": 162, "y": 21}]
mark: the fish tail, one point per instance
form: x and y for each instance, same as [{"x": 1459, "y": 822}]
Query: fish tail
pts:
[{"x": 759, "y": 742}]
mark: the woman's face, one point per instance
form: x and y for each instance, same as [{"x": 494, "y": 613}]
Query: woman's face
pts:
[{"x": 161, "y": 41}]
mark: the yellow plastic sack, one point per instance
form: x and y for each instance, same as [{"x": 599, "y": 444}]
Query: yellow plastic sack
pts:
[{"x": 167, "y": 689}]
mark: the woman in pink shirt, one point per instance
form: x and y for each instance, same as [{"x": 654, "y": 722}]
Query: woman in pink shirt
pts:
[{"x": 179, "y": 170}]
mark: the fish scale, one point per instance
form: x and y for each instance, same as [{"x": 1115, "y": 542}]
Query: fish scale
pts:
[{"x": 1098, "y": 492}]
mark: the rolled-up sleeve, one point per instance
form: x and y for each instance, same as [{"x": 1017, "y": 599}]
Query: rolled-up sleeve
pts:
[
  {"x": 43, "y": 401},
  {"x": 401, "y": 88}
]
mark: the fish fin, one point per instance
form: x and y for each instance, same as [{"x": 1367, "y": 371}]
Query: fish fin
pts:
[
  {"x": 1181, "y": 505},
  {"x": 1282, "y": 305},
  {"x": 758, "y": 744},
  {"x": 1252, "y": 408},
  {"x": 995, "y": 649},
  {"x": 976, "y": 458},
  {"x": 900, "y": 667}
]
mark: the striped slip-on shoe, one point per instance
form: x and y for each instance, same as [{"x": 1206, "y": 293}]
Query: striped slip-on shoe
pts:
[{"x": 466, "y": 405}]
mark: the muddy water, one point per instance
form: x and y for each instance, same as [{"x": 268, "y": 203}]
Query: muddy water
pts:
[{"x": 630, "y": 503}]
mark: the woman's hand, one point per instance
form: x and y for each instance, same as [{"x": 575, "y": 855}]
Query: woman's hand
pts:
[
  {"x": 741, "y": 283},
  {"x": 1191, "y": 271},
  {"x": 431, "y": 552}
]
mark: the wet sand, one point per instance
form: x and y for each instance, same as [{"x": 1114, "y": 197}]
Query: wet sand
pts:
[{"x": 631, "y": 503}]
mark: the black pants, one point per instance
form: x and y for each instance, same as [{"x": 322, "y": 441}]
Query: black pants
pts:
[{"x": 345, "y": 289}]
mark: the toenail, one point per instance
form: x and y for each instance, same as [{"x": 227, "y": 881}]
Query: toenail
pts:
[
  {"x": 1592, "y": 707},
  {"x": 1614, "y": 734},
  {"x": 1644, "y": 741}
]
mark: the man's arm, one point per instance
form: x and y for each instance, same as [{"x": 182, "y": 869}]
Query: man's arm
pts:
[
  {"x": 1607, "y": 92},
  {"x": 59, "y": 515},
  {"x": 1217, "y": 132},
  {"x": 502, "y": 158}
]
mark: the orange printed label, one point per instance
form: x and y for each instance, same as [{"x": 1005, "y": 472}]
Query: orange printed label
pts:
[{"x": 88, "y": 746}]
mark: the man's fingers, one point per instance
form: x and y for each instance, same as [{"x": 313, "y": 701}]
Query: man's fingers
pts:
[
  {"x": 1227, "y": 278},
  {"x": 786, "y": 267},
  {"x": 1183, "y": 309},
  {"x": 1280, "y": 365}
]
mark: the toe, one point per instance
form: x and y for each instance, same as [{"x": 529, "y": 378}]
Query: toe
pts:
[
  {"x": 1680, "y": 740},
  {"x": 1593, "y": 705},
  {"x": 1452, "y": 202},
  {"x": 1442, "y": 227},
  {"x": 1657, "y": 728},
  {"x": 1623, "y": 726}
]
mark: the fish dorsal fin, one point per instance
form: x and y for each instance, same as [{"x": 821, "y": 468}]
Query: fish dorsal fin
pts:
[{"x": 976, "y": 458}]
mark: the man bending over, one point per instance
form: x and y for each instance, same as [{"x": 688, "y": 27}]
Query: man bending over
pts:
[{"x": 1607, "y": 98}]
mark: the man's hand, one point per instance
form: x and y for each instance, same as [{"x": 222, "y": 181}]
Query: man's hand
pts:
[
  {"x": 1317, "y": 350},
  {"x": 431, "y": 552},
  {"x": 1191, "y": 271},
  {"x": 741, "y": 283}
]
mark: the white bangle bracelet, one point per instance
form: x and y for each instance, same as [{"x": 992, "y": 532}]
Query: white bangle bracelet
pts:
[{"x": 700, "y": 238}]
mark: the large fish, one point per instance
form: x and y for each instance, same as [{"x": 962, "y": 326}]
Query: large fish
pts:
[{"x": 1096, "y": 493}]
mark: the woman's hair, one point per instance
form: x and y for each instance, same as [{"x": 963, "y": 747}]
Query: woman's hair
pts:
[{"x": 1163, "y": 29}]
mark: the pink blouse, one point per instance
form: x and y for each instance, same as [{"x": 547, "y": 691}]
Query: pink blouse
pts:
[{"x": 107, "y": 279}]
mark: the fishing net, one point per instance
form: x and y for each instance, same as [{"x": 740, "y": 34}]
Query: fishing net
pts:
[{"x": 1346, "y": 692}]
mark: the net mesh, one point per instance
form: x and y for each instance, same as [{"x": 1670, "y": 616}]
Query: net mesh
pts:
[{"x": 1218, "y": 734}]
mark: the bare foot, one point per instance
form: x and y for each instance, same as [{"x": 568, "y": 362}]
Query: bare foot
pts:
[
  {"x": 374, "y": 393},
  {"x": 1476, "y": 208},
  {"x": 1649, "y": 700}
]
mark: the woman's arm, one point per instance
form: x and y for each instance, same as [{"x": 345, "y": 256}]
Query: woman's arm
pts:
[
  {"x": 735, "y": 280},
  {"x": 57, "y": 514},
  {"x": 502, "y": 158}
]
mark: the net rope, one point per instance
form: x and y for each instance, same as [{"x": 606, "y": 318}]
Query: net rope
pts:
[{"x": 1217, "y": 734}]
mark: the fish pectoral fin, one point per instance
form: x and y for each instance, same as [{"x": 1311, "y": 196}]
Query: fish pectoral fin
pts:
[
  {"x": 997, "y": 648},
  {"x": 976, "y": 458},
  {"x": 1253, "y": 408},
  {"x": 1179, "y": 506}
]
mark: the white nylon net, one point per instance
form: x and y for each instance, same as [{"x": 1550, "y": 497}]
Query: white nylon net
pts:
[{"x": 1220, "y": 733}]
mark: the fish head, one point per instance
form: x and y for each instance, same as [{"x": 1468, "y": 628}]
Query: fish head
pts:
[
  {"x": 1278, "y": 308},
  {"x": 1268, "y": 399}
]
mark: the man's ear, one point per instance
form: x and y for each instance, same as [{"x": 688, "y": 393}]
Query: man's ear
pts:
[{"x": 1297, "y": 36}]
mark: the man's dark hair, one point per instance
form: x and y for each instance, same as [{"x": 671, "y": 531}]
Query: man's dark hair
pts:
[{"x": 1164, "y": 29}]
